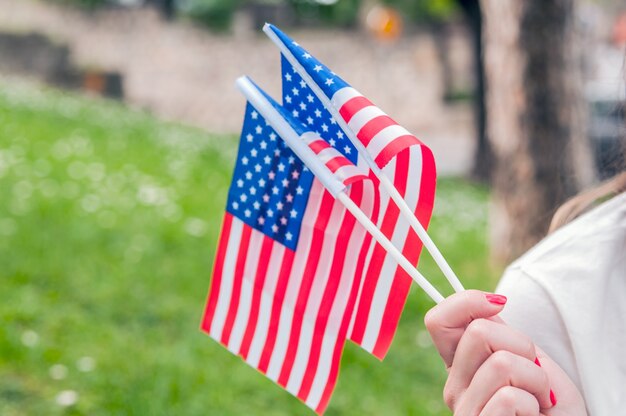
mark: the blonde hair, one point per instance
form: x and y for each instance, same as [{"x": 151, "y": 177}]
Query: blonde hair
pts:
[{"x": 586, "y": 200}]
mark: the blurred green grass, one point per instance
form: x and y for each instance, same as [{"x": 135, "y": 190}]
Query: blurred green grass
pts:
[{"x": 108, "y": 225}]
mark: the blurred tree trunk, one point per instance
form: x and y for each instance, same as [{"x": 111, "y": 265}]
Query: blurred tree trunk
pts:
[
  {"x": 441, "y": 39},
  {"x": 168, "y": 9},
  {"x": 483, "y": 157},
  {"x": 536, "y": 122}
]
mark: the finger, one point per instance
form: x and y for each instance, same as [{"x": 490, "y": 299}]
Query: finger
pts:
[
  {"x": 503, "y": 369},
  {"x": 511, "y": 401},
  {"x": 447, "y": 321},
  {"x": 481, "y": 339}
]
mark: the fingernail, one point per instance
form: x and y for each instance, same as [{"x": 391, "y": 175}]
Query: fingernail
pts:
[
  {"x": 552, "y": 396},
  {"x": 496, "y": 299}
]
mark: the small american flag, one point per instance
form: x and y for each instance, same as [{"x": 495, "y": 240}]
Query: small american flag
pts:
[
  {"x": 288, "y": 262},
  {"x": 407, "y": 162}
]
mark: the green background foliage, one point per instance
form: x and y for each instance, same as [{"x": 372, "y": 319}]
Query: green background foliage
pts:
[
  {"x": 88, "y": 4},
  {"x": 425, "y": 11},
  {"x": 217, "y": 15}
]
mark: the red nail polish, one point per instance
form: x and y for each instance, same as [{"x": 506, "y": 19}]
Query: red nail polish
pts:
[
  {"x": 496, "y": 299},
  {"x": 552, "y": 398},
  {"x": 537, "y": 362}
]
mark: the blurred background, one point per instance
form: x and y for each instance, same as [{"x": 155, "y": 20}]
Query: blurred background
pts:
[{"x": 118, "y": 131}]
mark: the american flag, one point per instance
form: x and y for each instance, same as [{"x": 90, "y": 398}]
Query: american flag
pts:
[
  {"x": 288, "y": 262},
  {"x": 407, "y": 162}
]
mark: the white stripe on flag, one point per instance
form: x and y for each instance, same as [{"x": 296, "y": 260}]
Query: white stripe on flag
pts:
[
  {"x": 363, "y": 116},
  {"x": 343, "y": 96},
  {"x": 384, "y": 138},
  {"x": 383, "y": 287},
  {"x": 228, "y": 274},
  {"x": 329, "y": 154},
  {"x": 385, "y": 200},
  {"x": 247, "y": 285},
  {"x": 347, "y": 172},
  {"x": 295, "y": 279},
  {"x": 338, "y": 309},
  {"x": 318, "y": 288},
  {"x": 265, "y": 307},
  {"x": 389, "y": 171}
]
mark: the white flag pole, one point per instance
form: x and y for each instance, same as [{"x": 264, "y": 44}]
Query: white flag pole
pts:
[
  {"x": 384, "y": 180},
  {"x": 330, "y": 182}
]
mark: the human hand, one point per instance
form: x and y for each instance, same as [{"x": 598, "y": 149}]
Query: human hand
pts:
[{"x": 492, "y": 368}]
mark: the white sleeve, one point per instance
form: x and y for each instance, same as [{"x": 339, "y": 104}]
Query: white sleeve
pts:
[{"x": 531, "y": 310}]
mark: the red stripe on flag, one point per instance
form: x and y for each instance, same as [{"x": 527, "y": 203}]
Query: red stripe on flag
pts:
[
  {"x": 390, "y": 219},
  {"x": 259, "y": 281},
  {"x": 318, "y": 145},
  {"x": 353, "y": 106},
  {"x": 337, "y": 163},
  {"x": 402, "y": 281},
  {"x": 373, "y": 274},
  {"x": 427, "y": 187},
  {"x": 317, "y": 242},
  {"x": 330, "y": 292},
  {"x": 345, "y": 324},
  {"x": 234, "y": 299},
  {"x": 373, "y": 127},
  {"x": 279, "y": 297},
  {"x": 218, "y": 266},
  {"x": 396, "y": 146},
  {"x": 352, "y": 179},
  {"x": 395, "y": 303}
]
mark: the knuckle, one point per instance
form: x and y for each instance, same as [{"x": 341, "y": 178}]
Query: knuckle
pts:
[
  {"x": 510, "y": 398},
  {"x": 474, "y": 299},
  {"x": 449, "y": 395},
  {"x": 506, "y": 397},
  {"x": 478, "y": 329},
  {"x": 467, "y": 296},
  {"x": 462, "y": 409},
  {"x": 524, "y": 345},
  {"x": 501, "y": 362}
]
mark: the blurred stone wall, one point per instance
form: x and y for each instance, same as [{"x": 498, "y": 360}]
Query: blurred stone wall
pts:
[
  {"x": 35, "y": 56},
  {"x": 32, "y": 54}
]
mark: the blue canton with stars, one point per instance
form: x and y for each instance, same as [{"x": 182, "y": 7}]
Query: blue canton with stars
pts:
[
  {"x": 270, "y": 186},
  {"x": 327, "y": 80},
  {"x": 304, "y": 105}
]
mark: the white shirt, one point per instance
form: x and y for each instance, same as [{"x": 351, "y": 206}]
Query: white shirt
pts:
[{"x": 568, "y": 293}]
